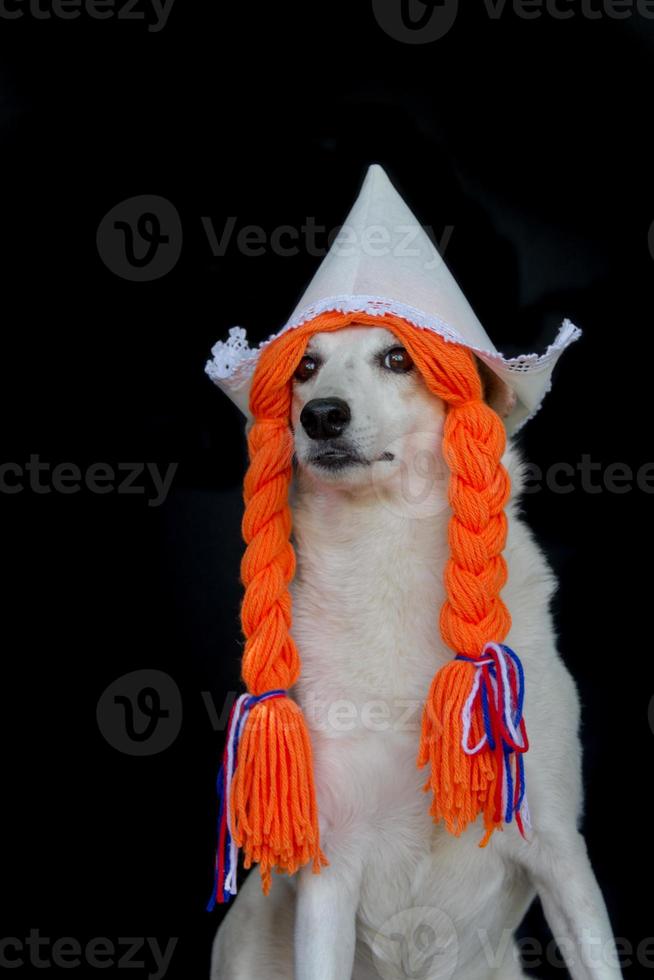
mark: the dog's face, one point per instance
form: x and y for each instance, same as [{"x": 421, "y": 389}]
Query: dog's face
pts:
[{"x": 361, "y": 413}]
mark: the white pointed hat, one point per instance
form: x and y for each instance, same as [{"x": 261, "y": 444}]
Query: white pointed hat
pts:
[{"x": 383, "y": 261}]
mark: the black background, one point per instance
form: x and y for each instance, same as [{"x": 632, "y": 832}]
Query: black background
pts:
[{"x": 530, "y": 139}]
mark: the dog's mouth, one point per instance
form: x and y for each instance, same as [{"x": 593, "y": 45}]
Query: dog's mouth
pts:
[
  {"x": 337, "y": 455},
  {"x": 336, "y": 458}
]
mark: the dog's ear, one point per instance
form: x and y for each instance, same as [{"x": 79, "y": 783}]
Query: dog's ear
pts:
[{"x": 497, "y": 393}]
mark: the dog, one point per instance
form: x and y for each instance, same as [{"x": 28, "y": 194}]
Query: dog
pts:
[{"x": 402, "y": 897}]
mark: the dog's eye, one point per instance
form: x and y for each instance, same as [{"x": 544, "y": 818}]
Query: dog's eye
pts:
[
  {"x": 398, "y": 360},
  {"x": 306, "y": 368}
]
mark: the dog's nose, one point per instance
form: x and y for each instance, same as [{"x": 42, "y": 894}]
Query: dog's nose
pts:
[{"x": 324, "y": 418}]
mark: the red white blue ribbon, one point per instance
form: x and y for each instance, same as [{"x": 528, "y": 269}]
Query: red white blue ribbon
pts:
[
  {"x": 498, "y": 690},
  {"x": 226, "y": 866}
]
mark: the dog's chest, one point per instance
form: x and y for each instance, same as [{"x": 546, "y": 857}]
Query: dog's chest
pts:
[
  {"x": 366, "y": 601},
  {"x": 366, "y": 604}
]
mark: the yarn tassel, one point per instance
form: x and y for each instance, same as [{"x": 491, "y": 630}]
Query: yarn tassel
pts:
[
  {"x": 474, "y": 737},
  {"x": 266, "y": 797}
]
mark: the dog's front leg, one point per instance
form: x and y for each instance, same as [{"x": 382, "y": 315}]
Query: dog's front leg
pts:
[
  {"x": 573, "y": 905},
  {"x": 325, "y": 921}
]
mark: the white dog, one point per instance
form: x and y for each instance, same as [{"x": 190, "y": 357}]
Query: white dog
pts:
[{"x": 401, "y": 896}]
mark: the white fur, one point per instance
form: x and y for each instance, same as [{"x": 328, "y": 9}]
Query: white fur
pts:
[{"x": 402, "y": 897}]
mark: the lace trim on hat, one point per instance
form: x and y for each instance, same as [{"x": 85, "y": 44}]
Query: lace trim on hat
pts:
[{"x": 233, "y": 360}]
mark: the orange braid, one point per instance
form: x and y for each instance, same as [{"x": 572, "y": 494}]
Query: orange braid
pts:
[{"x": 273, "y": 806}]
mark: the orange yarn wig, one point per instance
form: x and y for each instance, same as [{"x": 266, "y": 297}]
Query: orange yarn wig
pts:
[{"x": 272, "y": 805}]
